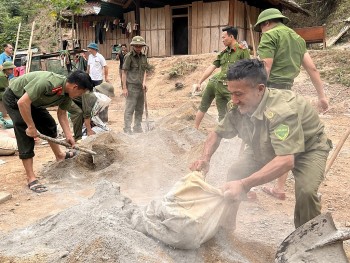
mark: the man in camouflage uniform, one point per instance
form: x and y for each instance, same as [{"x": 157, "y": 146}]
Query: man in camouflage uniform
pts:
[
  {"x": 26, "y": 101},
  {"x": 284, "y": 52},
  {"x": 81, "y": 110},
  {"x": 134, "y": 75},
  {"x": 232, "y": 53},
  {"x": 7, "y": 70},
  {"x": 282, "y": 132}
]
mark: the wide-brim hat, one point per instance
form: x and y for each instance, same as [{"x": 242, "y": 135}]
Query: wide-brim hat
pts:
[
  {"x": 106, "y": 89},
  {"x": 93, "y": 45},
  {"x": 138, "y": 40},
  {"x": 8, "y": 65},
  {"x": 269, "y": 14}
]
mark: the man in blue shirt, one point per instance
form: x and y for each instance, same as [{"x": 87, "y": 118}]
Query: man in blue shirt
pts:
[{"x": 6, "y": 56}]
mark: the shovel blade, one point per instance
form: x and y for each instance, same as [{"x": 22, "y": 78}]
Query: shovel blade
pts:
[{"x": 299, "y": 246}]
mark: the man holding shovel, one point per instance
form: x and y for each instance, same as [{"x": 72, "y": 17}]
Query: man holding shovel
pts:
[
  {"x": 282, "y": 132},
  {"x": 26, "y": 101},
  {"x": 134, "y": 84}
]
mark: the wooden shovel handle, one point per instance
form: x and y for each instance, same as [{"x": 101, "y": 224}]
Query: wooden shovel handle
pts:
[
  {"x": 66, "y": 144},
  {"x": 336, "y": 151}
]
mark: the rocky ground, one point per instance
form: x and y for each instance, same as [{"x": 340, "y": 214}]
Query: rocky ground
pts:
[{"x": 84, "y": 219}]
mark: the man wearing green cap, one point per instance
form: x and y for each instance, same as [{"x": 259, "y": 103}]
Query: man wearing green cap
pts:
[
  {"x": 7, "y": 70},
  {"x": 232, "y": 53},
  {"x": 284, "y": 52},
  {"x": 134, "y": 84}
]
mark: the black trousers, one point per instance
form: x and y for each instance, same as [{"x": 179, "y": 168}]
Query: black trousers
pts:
[{"x": 44, "y": 123}]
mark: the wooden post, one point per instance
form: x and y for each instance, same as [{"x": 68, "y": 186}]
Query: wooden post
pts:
[
  {"x": 29, "y": 54},
  {"x": 14, "y": 53},
  {"x": 137, "y": 16},
  {"x": 73, "y": 32},
  {"x": 250, "y": 29}
]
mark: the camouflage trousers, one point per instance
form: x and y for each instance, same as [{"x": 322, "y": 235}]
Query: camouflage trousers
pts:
[{"x": 134, "y": 106}]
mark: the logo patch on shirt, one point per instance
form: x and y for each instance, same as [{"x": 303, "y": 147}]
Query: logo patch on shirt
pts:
[{"x": 282, "y": 132}]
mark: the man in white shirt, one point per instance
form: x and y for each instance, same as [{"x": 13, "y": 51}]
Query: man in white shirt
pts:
[{"x": 97, "y": 66}]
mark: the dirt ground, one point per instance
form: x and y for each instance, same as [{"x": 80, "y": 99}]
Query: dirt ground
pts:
[{"x": 261, "y": 226}]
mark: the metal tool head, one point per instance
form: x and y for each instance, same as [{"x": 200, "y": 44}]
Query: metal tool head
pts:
[{"x": 316, "y": 241}]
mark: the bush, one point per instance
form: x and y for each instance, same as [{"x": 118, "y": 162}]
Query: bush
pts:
[{"x": 181, "y": 68}]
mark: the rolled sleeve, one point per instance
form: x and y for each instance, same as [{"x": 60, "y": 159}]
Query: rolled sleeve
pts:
[
  {"x": 127, "y": 63},
  {"x": 267, "y": 46}
]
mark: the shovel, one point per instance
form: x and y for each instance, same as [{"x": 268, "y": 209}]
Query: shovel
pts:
[
  {"x": 316, "y": 241},
  {"x": 50, "y": 139},
  {"x": 149, "y": 124}
]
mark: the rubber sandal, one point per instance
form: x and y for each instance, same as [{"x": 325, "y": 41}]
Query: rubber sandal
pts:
[
  {"x": 70, "y": 154},
  {"x": 36, "y": 187},
  {"x": 271, "y": 191}
]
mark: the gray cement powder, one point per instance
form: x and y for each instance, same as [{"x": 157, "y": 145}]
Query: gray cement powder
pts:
[{"x": 99, "y": 229}]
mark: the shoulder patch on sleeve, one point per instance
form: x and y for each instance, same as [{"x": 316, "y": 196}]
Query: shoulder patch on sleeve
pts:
[{"x": 282, "y": 131}]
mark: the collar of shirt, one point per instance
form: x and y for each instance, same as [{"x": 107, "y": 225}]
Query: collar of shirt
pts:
[
  {"x": 259, "y": 111},
  {"x": 133, "y": 53}
]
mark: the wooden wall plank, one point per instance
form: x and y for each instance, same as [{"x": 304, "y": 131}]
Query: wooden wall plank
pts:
[
  {"x": 214, "y": 36},
  {"x": 231, "y": 12},
  {"x": 147, "y": 18},
  {"x": 206, "y": 40},
  {"x": 200, "y": 28},
  {"x": 154, "y": 43},
  {"x": 194, "y": 19},
  {"x": 224, "y": 13},
  {"x": 154, "y": 18},
  {"x": 206, "y": 14},
  {"x": 161, "y": 18},
  {"x": 148, "y": 36},
  {"x": 161, "y": 37},
  {"x": 142, "y": 19},
  {"x": 168, "y": 30},
  {"x": 215, "y": 14}
]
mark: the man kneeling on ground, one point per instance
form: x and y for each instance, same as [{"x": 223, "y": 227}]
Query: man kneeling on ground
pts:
[
  {"x": 26, "y": 101},
  {"x": 282, "y": 132}
]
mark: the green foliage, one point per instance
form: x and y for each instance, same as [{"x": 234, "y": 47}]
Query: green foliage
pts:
[
  {"x": 13, "y": 12},
  {"x": 60, "y": 5},
  {"x": 181, "y": 68}
]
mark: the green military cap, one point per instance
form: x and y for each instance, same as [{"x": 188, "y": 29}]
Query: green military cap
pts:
[
  {"x": 106, "y": 89},
  {"x": 269, "y": 14},
  {"x": 8, "y": 65},
  {"x": 138, "y": 40}
]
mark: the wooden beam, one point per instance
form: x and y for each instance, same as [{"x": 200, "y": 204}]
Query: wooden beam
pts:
[
  {"x": 126, "y": 5},
  {"x": 116, "y": 2}
]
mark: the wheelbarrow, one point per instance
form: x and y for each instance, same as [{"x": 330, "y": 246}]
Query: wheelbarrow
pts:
[{"x": 317, "y": 241}]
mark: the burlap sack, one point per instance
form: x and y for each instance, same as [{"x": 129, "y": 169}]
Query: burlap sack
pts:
[{"x": 188, "y": 215}]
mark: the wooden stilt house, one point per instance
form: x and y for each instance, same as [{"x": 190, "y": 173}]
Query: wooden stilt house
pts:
[{"x": 169, "y": 27}]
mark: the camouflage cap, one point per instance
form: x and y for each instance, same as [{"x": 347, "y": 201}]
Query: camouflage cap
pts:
[
  {"x": 138, "y": 40},
  {"x": 106, "y": 89},
  {"x": 269, "y": 14},
  {"x": 8, "y": 65}
]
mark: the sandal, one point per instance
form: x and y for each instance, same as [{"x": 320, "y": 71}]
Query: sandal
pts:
[
  {"x": 35, "y": 186},
  {"x": 271, "y": 191},
  {"x": 70, "y": 154}
]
